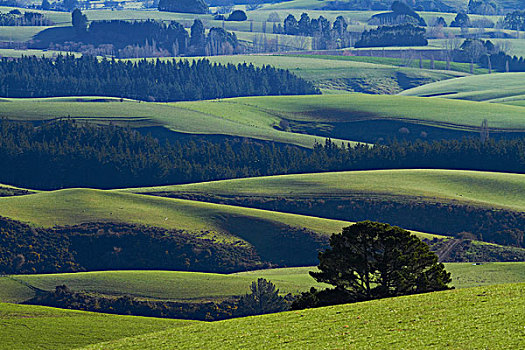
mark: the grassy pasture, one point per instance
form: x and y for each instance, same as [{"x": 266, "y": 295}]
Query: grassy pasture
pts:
[
  {"x": 498, "y": 88},
  {"x": 255, "y": 117},
  {"x": 481, "y": 188},
  {"x": 456, "y": 68},
  {"x": 197, "y": 286},
  {"x": 170, "y": 285},
  {"x": 19, "y": 33},
  {"x": 176, "y": 117},
  {"x": 37, "y": 327},
  {"x": 474, "y": 318},
  {"x": 344, "y": 108}
]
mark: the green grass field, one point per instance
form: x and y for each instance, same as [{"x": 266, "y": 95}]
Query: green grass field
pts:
[
  {"x": 197, "y": 286},
  {"x": 232, "y": 119},
  {"x": 256, "y": 117},
  {"x": 36, "y": 327},
  {"x": 475, "y": 318},
  {"x": 161, "y": 285},
  {"x": 497, "y": 88},
  {"x": 481, "y": 188}
]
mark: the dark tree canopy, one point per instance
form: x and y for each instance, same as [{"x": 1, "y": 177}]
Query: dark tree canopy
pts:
[
  {"x": 461, "y": 20},
  {"x": 371, "y": 260},
  {"x": 237, "y": 15},
  {"x": 400, "y": 35},
  {"x": 184, "y": 6}
]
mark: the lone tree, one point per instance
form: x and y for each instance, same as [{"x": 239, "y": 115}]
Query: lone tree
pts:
[
  {"x": 263, "y": 299},
  {"x": 79, "y": 21},
  {"x": 371, "y": 260}
]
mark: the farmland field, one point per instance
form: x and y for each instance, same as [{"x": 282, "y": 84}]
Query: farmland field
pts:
[
  {"x": 470, "y": 318},
  {"x": 197, "y": 286},
  {"x": 37, "y": 327}
]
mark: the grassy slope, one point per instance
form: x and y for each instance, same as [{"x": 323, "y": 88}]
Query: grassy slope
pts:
[
  {"x": 75, "y": 206},
  {"x": 500, "y": 87},
  {"x": 341, "y": 108},
  {"x": 484, "y": 317},
  {"x": 481, "y": 188},
  {"x": 175, "y": 285},
  {"x": 170, "y": 285},
  {"x": 177, "y": 117},
  {"x": 256, "y": 116},
  {"x": 37, "y": 327}
]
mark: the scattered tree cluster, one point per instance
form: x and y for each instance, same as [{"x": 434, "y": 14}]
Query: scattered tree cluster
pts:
[
  {"x": 488, "y": 55},
  {"x": 133, "y": 39},
  {"x": 325, "y": 34},
  {"x": 16, "y": 18},
  {"x": 401, "y": 35},
  {"x": 483, "y": 7},
  {"x": 514, "y": 20},
  {"x": 143, "y": 80},
  {"x": 370, "y": 260}
]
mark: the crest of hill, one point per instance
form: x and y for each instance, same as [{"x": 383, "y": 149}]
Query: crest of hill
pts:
[
  {"x": 496, "y": 88},
  {"x": 489, "y": 189},
  {"x": 462, "y": 318}
]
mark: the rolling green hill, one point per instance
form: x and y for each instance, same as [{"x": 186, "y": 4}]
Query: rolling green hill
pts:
[
  {"x": 480, "y": 188},
  {"x": 76, "y": 206},
  {"x": 473, "y": 318},
  {"x": 37, "y": 327},
  {"x": 197, "y": 286},
  {"x": 339, "y": 116},
  {"x": 498, "y": 88},
  {"x": 240, "y": 121}
]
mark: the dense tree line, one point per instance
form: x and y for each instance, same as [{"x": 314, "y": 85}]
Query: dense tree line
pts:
[
  {"x": 325, "y": 34},
  {"x": 143, "y": 80},
  {"x": 63, "y": 154},
  {"x": 107, "y": 246},
  {"x": 263, "y": 299},
  {"x": 16, "y": 18},
  {"x": 400, "y": 35}
]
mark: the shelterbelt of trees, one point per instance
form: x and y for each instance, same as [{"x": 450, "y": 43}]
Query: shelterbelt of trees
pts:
[
  {"x": 114, "y": 157},
  {"x": 143, "y": 80}
]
